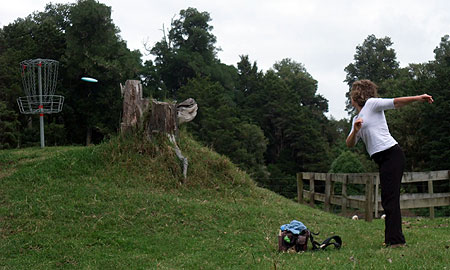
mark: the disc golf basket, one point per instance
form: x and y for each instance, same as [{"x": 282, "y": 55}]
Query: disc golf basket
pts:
[{"x": 39, "y": 77}]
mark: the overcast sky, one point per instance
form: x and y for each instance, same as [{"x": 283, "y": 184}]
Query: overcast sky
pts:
[{"x": 322, "y": 35}]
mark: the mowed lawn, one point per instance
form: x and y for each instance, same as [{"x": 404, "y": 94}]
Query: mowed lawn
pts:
[{"x": 121, "y": 205}]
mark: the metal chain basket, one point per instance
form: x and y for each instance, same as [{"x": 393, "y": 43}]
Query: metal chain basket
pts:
[{"x": 39, "y": 78}]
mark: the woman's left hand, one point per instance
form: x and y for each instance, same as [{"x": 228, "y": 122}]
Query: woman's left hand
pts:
[{"x": 426, "y": 98}]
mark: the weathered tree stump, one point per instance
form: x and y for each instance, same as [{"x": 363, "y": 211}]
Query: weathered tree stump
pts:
[
  {"x": 186, "y": 110},
  {"x": 134, "y": 105},
  {"x": 163, "y": 117}
]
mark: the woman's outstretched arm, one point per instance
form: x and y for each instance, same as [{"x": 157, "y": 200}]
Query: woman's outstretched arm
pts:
[{"x": 402, "y": 101}]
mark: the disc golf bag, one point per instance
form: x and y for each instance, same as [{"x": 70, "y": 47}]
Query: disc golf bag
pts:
[{"x": 296, "y": 235}]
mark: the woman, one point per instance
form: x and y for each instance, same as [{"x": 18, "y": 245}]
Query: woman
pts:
[{"x": 370, "y": 125}]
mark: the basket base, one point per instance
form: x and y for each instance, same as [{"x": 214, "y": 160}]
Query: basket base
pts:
[{"x": 32, "y": 105}]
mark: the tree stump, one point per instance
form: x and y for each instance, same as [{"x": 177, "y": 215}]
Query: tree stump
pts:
[
  {"x": 162, "y": 118},
  {"x": 134, "y": 105}
]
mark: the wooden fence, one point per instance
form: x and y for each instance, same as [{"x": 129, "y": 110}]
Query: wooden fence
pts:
[{"x": 371, "y": 201}]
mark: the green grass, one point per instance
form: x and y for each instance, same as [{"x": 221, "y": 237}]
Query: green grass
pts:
[{"x": 120, "y": 205}]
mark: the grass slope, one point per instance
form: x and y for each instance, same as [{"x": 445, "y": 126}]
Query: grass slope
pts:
[{"x": 120, "y": 205}]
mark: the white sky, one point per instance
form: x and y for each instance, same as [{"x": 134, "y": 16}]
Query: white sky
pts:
[{"x": 321, "y": 34}]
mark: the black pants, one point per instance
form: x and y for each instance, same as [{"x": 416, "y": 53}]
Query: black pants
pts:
[{"x": 391, "y": 164}]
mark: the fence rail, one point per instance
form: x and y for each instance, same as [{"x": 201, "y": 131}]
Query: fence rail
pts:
[{"x": 371, "y": 200}]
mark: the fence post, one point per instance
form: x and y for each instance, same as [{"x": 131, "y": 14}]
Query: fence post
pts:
[
  {"x": 369, "y": 198},
  {"x": 377, "y": 182},
  {"x": 332, "y": 191},
  {"x": 311, "y": 189},
  {"x": 299, "y": 187},
  {"x": 430, "y": 191},
  {"x": 327, "y": 192},
  {"x": 344, "y": 195}
]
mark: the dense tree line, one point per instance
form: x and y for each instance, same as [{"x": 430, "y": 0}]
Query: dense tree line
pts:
[{"x": 271, "y": 123}]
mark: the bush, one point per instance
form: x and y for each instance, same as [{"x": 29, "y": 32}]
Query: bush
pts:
[{"x": 347, "y": 162}]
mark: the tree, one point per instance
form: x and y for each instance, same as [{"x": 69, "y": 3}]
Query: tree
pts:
[
  {"x": 437, "y": 140},
  {"x": 298, "y": 116},
  {"x": 187, "y": 65},
  {"x": 94, "y": 48},
  {"x": 188, "y": 51},
  {"x": 218, "y": 125},
  {"x": 374, "y": 60},
  {"x": 284, "y": 103},
  {"x": 153, "y": 85},
  {"x": 8, "y": 127},
  {"x": 249, "y": 78},
  {"x": 347, "y": 162},
  {"x": 248, "y": 90}
]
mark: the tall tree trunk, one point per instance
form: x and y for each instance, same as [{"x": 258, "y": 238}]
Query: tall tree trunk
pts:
[
  {"x": 88, "y": 136},
  {"x": 30, "y": 122}
]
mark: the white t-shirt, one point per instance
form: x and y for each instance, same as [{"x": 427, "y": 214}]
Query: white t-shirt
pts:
[{"x": 374, "y": 131}]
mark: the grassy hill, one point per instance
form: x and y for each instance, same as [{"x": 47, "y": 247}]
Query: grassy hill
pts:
[{"x": 120, "y": 205}]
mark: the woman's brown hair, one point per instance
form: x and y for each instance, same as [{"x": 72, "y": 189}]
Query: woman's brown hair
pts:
[{"x": 362, "y": 90}]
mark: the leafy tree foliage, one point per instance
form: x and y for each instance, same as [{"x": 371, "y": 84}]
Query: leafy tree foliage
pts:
[
  {"x": 248, "y": 90},
  {"x": 95, "y": 49},
  {"x": 218, "y": 124},
  {"x": 8, "y": 127},
  {"x": 153, "y": 86},
  {"x": 188, "y": 51},
  {"x": 284, "y": 103},
  {"x": 186, "y": 66},
  {"x": 347, "y": 162},
  {"x": 374, "y": 60},
  {"x": 435, "y": 127}
]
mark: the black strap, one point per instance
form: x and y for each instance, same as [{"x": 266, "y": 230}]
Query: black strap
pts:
[{"x": 318, "y": 246}]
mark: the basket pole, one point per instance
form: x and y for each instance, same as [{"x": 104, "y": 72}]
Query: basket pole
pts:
[{"x": 41, "y": 107}]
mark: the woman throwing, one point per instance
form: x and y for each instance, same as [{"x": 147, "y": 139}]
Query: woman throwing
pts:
[{"x": 370, "y": 125}]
